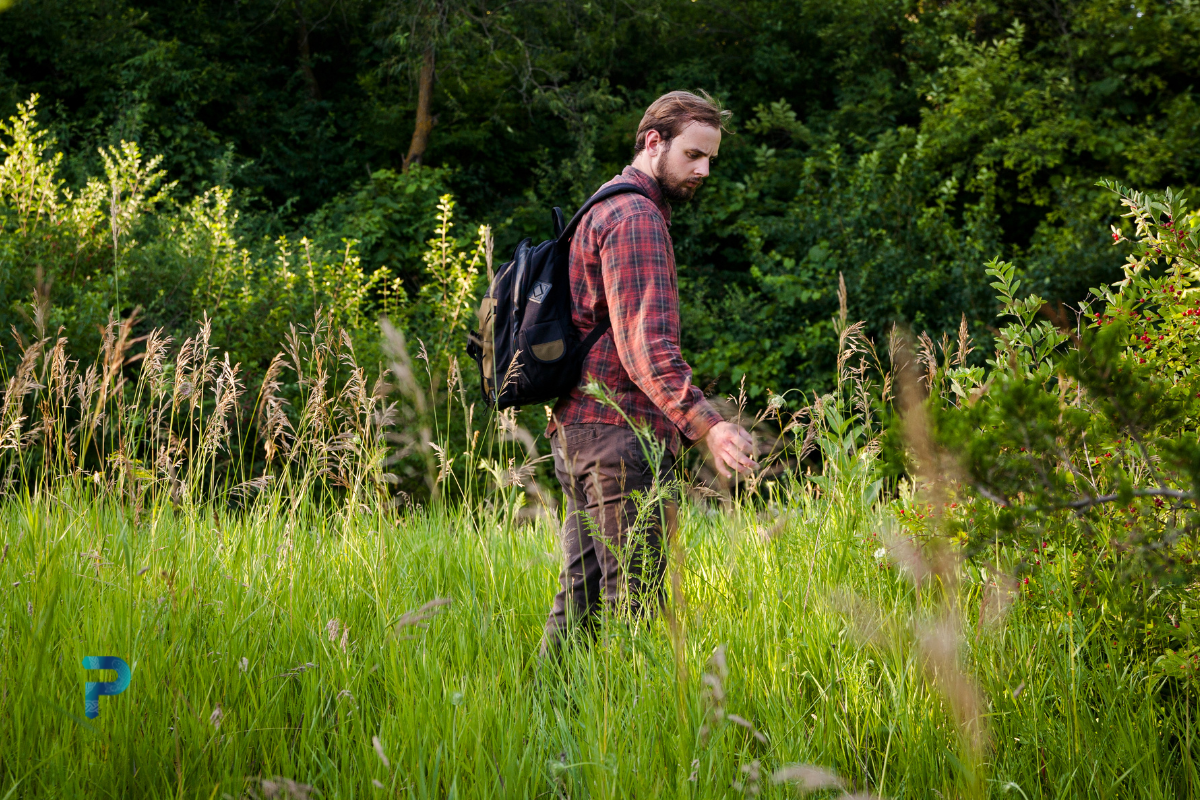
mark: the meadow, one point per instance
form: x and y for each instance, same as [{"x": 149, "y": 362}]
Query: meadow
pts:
[{"x": 286, "y": 642}]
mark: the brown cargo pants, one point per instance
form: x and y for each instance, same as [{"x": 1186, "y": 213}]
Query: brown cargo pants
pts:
[{"x": 611, "y": 558}]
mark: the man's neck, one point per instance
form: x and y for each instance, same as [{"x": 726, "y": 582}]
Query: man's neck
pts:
[{"x": 642, "y": 164}]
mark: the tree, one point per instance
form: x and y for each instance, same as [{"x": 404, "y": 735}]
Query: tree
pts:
[{"x": 414, "y": 31}]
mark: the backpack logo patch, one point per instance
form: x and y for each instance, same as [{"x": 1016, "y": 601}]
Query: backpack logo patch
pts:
[{"x": 539, "y": 292}]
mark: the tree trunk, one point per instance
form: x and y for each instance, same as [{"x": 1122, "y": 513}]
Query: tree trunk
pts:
[
  {"x": 425, "y": 120},
  {"x": 310, "y": 80}
]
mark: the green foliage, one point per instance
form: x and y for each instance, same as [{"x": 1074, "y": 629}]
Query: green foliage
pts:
[
  {"x": 1083, "y": 440},
  {"x": 50, "y": 234},
  {"x": 445, "y": 303},
  {"x": 122, "y": 242},
  {"x": 1020, "y": 109},
  {"x": 883, "y": 220},
  {"x": 390, "y": 217},
  {"x": 188, "y": 263},
  {"x": 900, "y": 144}
]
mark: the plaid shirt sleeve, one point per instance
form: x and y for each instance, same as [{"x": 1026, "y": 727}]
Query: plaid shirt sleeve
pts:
[{"x": 638, "y": 269}]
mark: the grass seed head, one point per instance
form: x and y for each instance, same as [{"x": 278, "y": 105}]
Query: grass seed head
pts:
[
  {"x": 419, "y": 618},
  {"x": 748, "y": 725},
  {"x": 378, "y": 745},
  {"x": 285, "y": 788},
  {"x": 807, "y": 777}
]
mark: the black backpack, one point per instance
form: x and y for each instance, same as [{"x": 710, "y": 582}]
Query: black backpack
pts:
[{"x": 527, "y": 348}]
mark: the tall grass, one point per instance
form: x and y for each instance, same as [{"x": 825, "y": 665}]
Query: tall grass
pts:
[
  {"x": 259, "y": 651},
  {"x": 295, "y": 631}
]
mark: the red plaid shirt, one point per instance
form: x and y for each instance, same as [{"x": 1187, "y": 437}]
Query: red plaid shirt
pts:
[{"x": 623, "y": 266}]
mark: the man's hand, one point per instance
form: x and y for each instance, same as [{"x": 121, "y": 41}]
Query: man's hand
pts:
[{"x": 731, "y": 446}]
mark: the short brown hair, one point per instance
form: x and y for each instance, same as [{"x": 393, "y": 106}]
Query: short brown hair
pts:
[{"x": 674, "y": 111}]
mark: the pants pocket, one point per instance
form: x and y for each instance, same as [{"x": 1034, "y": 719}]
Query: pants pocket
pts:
[
  {"x": 572, "y": 435},
  {"x": 633, "y": 452}
]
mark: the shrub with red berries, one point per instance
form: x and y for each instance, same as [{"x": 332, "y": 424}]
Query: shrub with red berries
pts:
[{"x": 1082, "y": 438}]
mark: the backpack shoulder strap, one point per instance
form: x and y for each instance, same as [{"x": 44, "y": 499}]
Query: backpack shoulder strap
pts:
[
  {"x": 601, "y": 328},
  {"x": 603, "y": 194}
]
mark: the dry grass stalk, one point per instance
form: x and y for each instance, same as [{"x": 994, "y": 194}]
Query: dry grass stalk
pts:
[
  {"x": 285, "y": 788},
  {"x": 61, "y": 376},
  {"x": 850, "y": 341},
  {"x": 226, "y": 392},
  {"x": 378, "y": 747},
  {"x": 843, "y": 305},
  {"x": 927, "y": 356},
  {"x": 713, "y": 682},
  {"x": 713, "y": 693},
  {"x": 413, "y": 413},
  {"x": 964, "y": 348},
  {"x": 274, "y": 425},
  {"x": 153, "y": 361},
  {"x": 167, "y": 421},
  {"x": 753, "y": 773},
  {"x": 19, "y": 386},
  {"x": 998, "y": 596},
  {"x": 807, "y": 777},
  {"x": 867, "y": 621},
  {"x": 748, "y": 725},
  {"x": 939, "y": 640},
  {"x": 420, "y": 617}
]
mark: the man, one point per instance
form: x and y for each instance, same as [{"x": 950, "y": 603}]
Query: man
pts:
[{"x": 622, "y": 266}]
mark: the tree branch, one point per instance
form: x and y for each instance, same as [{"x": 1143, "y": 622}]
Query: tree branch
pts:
[
  {"x": 1088, "y": 502},
  {"x": 1083, "y": 502}
]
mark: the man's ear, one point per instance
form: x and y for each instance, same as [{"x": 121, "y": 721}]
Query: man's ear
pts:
[{"x": 653, "y": 141}]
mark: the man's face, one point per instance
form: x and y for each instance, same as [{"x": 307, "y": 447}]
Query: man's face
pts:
[{"x": 682, "y": 164}]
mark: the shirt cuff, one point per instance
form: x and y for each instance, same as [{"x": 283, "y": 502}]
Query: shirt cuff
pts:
[{"x": 699, "y": 421}]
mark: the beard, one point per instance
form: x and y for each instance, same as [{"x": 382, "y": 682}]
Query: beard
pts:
[{"x": 675, "y": 188}]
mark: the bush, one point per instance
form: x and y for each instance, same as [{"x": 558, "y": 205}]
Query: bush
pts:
[
  {"x": 92, "y": 273},
  {"x": 122, "y": 242},
  {"x": 1079, "y": 451}
]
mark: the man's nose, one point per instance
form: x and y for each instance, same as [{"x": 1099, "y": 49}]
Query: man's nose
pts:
[{"x": 702, "y": 168}]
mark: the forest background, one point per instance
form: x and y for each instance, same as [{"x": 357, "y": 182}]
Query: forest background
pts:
[{"x": 304, "y": 145}]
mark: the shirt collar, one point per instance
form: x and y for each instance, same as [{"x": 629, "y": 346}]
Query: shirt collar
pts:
[{"x": 633, "y": 175}]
